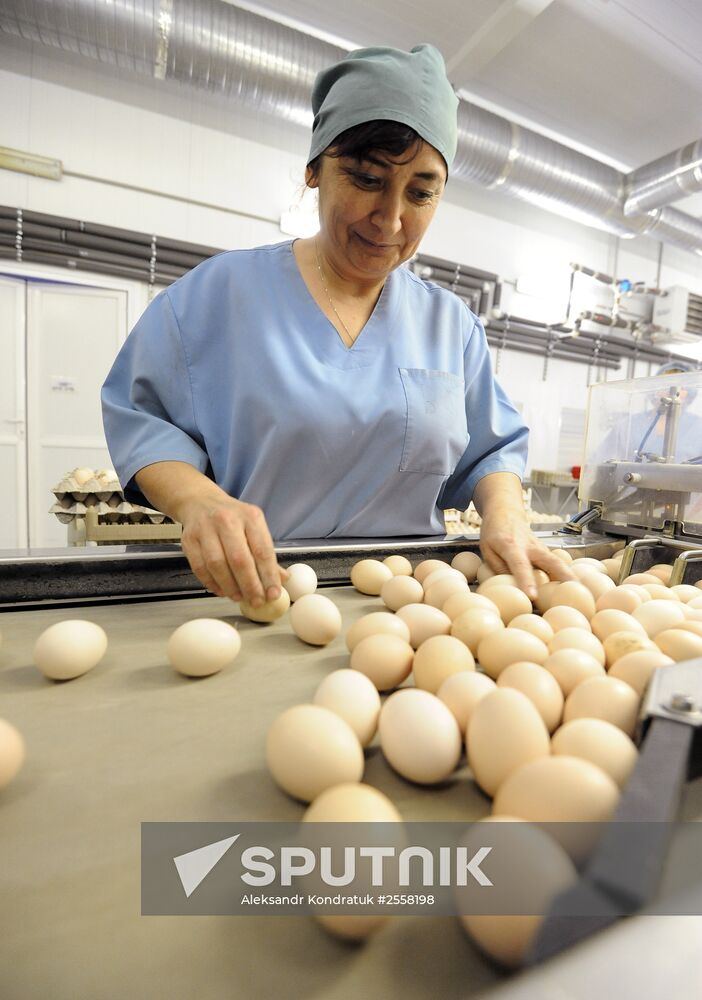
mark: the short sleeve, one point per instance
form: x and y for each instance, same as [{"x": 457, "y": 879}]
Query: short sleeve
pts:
[
  {"x": 147, "y": 400},
  {"x": 498, "y": 435}
]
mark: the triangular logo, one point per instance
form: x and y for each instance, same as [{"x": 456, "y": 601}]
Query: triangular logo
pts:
[{"x": 196, "y": 865}]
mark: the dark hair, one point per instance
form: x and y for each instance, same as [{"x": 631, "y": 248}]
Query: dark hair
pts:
[{"x": 379, "y": 136}]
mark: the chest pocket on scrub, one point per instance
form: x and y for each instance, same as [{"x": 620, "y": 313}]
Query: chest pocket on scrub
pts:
[{"x": 436, "y": 433}]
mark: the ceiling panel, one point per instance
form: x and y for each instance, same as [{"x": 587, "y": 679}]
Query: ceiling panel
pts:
[{"x": 622, "y": 78}]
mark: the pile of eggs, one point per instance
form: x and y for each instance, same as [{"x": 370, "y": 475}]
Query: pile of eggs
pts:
[{"x": 542, "y": 698}]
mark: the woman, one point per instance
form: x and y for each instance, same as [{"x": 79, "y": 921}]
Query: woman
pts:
[{"x": 316, "y": 388}]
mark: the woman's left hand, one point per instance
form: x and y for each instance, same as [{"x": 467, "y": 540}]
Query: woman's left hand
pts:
[{"x": 507, "y": 543}]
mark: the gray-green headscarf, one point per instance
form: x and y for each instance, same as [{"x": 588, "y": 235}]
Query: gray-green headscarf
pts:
[{"x": 390, "y": 85}]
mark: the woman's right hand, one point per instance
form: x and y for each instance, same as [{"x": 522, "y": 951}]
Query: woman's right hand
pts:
[{"x": 230, "y": 549}]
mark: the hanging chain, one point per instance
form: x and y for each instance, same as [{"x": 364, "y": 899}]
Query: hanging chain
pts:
[
  {"x": 152, "y": 267},
  {"x": 18, "y": 235}
]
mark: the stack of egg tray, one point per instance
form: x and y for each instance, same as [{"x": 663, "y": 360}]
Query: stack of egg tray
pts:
[{"x": 93, "y": 506}]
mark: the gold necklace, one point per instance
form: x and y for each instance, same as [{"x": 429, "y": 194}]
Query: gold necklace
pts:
[{"x": 350, "y": 338}]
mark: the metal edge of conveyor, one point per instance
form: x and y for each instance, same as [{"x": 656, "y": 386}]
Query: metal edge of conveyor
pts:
[{"x": 97, "y": 574}]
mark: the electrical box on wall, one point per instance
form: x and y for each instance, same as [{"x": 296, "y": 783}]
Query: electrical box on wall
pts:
[{"x": 678, "y": 312}]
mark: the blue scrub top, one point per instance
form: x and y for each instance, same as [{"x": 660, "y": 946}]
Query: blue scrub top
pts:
[{"x": 236, "y": 370}]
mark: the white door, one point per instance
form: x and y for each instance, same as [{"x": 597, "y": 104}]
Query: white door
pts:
[
  {"x": 73, "y": 335},
  {"x": 13, "y": 442}
]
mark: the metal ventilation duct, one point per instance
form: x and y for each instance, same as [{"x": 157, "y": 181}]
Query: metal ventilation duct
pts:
[
  {"x": 271, "y": 68},
  {"x": 672, "y": 176}
]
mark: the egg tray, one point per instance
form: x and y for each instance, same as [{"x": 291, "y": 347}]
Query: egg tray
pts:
[{"x": 93, "y": 506}]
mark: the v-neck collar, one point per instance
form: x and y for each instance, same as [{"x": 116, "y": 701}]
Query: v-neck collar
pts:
[{"x": 359, "y": 354}]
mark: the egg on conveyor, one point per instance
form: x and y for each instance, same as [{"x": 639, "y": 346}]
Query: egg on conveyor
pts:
[
  {"x": 419, "y": 736},
  {"x": 437, "y": 658},
  {"x": 573, "y": 594},
  {"x": 635, "y": 669},
  {"x": 618, "y": 644},
  {"x": 315, "y": 619},
  {"x": 465, "y": 600},
  {"x": 423, "y": 622},
  {"x": 604, "y": 698},
  {"x": 309, "y": 749},
  {"x": 658, "y": 616},
  {"x": 423, "y": 569},
  {"x": 510, "y": 601},
  {"x": 625, "y": 599},
  {"x": 572, "y": 667},
  {"x": 11, "y": 752},
  {"x": 437, "y": 592},
  {"x": 578, "y": 638},
  {"x": 353, "y": 697},
  {"x": 599, "y": 742},
  {"x": 473, "y": 625},
  {"x": 560, "y": 617},
  {"x": 446, "y": 573},
  {"x": 679, "y": 644},
  {"x": 571, "y": 794},
  {"x": 202, "y": 647},
  {"x": 301, "y": 580},
  {"x": 401, "y": 590},
  {"x": 540, "y": 687},
  {"x": 69, "y": 649},
  {"x": 369, "y": 575},
  {"x": 535, "y": 869},
  {"x": 467, "y": 563},
  {"x": 352, "y": 803},
  {"x": 377, "y": 622},
  {"x": 535, "y": 624},
  {"x": 504, "y": 646},
  {"x": 398, "y": 565},
  {"x": 611, "y": 620},
  {"x": 461, "y": 693},
  {"x": 270, "y": 611},
  {"x": 385, "y": 659},
  {"x": 504, "y": 731}
]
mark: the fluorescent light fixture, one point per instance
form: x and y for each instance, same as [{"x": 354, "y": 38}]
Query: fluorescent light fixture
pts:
[{"x": 28, "y": 163}]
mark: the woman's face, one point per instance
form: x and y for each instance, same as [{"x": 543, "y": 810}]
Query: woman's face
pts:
[{"x": 373, "y": 213}]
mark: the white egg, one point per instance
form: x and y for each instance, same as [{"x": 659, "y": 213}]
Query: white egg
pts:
[
  {"x": 437, "y": 592},
  {"x": 69, "y": 648},
  {"x": 315, "y": 619},
  {"x": 604, "y": 698},
  {"x": 401, "y": 590},
  {"x": 270, "y": 611},
  {"x": 369, "y": 575},
  {"x": 599, "y": 742},
  {"x": 374, "y": 623},
  {"x": 467, "y": 563},
  {"x": 427, "y": 566},
  {"x": 398, "y": 565},
  {"x": 540, "y": 687},
  {"x": 309, "y": 749},
  {"x": 301, "y": 580},
  {"x": 423, "y": 621},
  {"x": 504, "y": 730},
  {"x": 461, "y": 692},
  {"x": 571, "y": 667},
  {"x": 385, "y": 659},
  {"x": 465, "y": 600},
  {"x": 533, "y": 870},
  {"x": 501, "y": 647},
  {"x": 203, "y": 646},
  {"x": 11, "y": 752},
  {"x": 419, "y": 736},
  {"x": 569, "y": 793},
  {"x": 353, "y": 697},
  {"x": 439, "y": 657}
]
